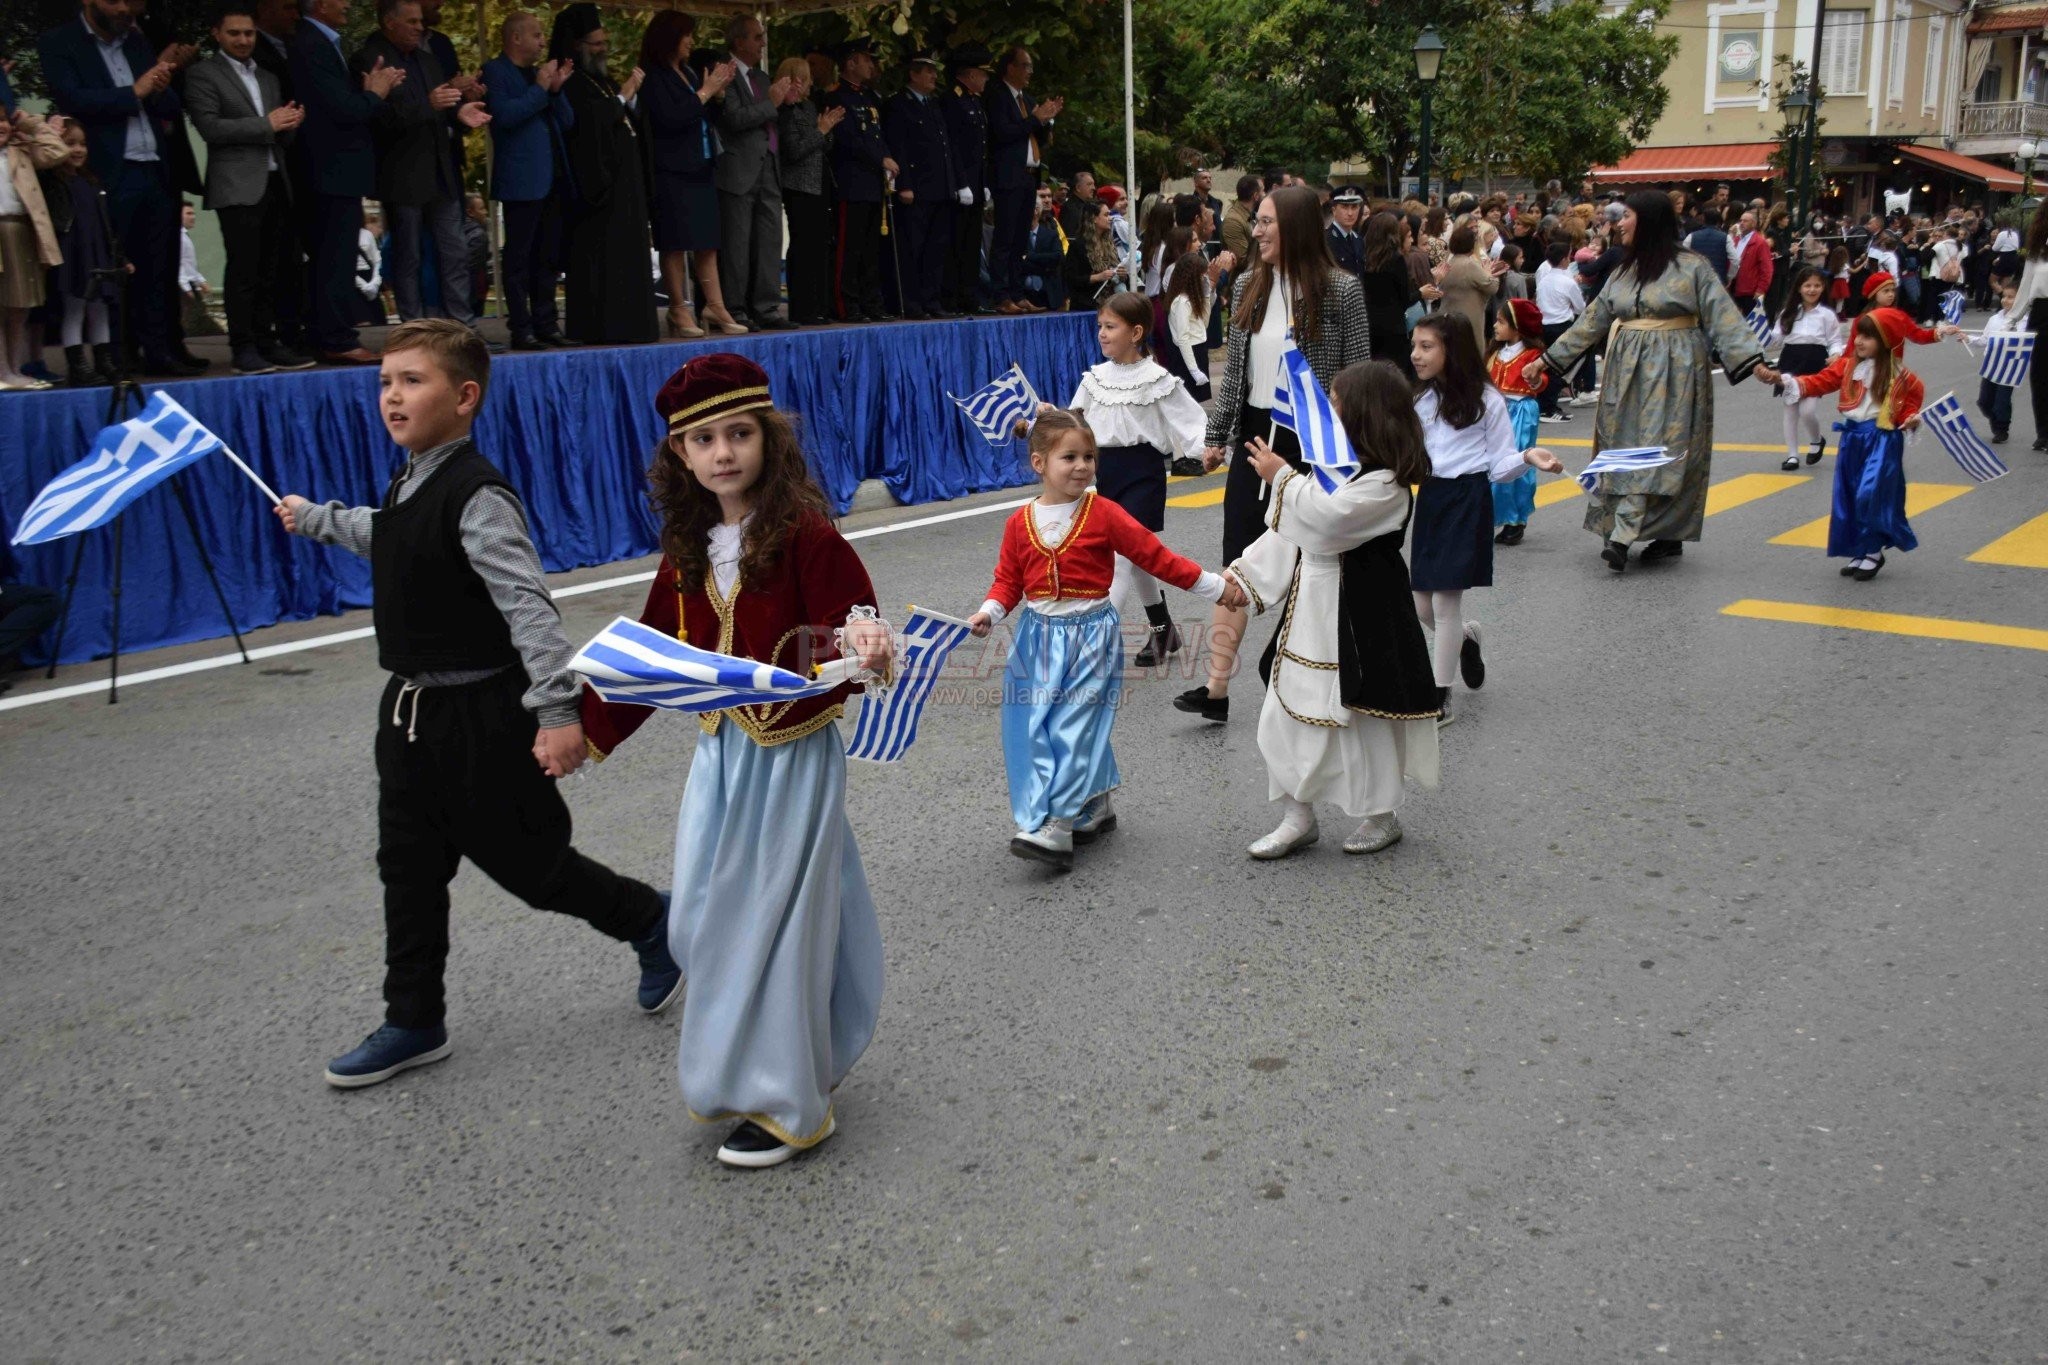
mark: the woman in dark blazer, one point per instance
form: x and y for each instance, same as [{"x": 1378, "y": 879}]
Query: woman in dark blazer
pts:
[
  {"x": 806, "y": 139},
  {"x": 682, "y": 149}
]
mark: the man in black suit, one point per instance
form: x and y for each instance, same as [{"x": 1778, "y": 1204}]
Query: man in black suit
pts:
[
  {"x": 102, "y": 73},
  {"x": 1017, "y": 133},
  {"x": 914, "y": 122},
  {"x": 967, "y": 138},
  {"x": 1080, "y": 206},
  {"x": 341, "y": 169},
  {"x": 275, "y": 22}
]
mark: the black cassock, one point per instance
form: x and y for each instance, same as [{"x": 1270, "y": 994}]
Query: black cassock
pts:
[{"x": 608, "y": 281}]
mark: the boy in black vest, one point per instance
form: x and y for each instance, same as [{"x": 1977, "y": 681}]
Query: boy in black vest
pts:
[{"x": 481, "y": 713}]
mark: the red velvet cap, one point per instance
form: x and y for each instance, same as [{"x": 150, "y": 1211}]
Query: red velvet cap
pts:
[
  {"x": 709, "y": 387},
  {"x": 1878, "y": 279},
  {"x": 1528, "y": 317}
]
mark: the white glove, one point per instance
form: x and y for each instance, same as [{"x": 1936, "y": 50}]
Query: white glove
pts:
[
  {"x": 1792, "y": 393},
  {"x": 966, "y": 197}
]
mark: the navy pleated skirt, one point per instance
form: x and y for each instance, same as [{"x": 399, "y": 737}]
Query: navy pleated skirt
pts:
[{"x": 1452, "y": 547}]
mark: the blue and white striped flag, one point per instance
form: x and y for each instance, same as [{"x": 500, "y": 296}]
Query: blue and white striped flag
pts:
[
  {"x": 996, "y": 409},
  {"x": 127, "y": 460},
  {"x": 1759, "y": 321},
  {"x": 1952, "y": 307},
  {"x": 1944, "y": 417},
  {"x": 631, "y": 662},
  {"x": 2006, "y": 357},
  {"x": 888, "y": 717},
  {"x": 1616, "y": 461},
  {"x": 1300, "y": 405}
]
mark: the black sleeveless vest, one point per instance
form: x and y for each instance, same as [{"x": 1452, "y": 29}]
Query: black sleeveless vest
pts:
[{"x": 430, "y": 606}]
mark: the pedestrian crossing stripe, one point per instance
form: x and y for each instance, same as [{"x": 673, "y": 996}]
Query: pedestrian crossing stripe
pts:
[
  {"x": 1730, "y": 494},
  {"x": 1585, "y": 443},
  {"x": 1920, "y": 497},
  {"x": 2025, "y": 547},
  {"x": 1890, "y": 623}
]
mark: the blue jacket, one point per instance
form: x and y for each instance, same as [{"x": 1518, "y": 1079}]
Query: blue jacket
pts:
[
  {"x": 1010, "y": 131},
  {"x": 1711, "y": 243},
  {"x": 917, "y": 132},
  {"x": 526, "y": 126},
  {"x": 680, "y": 138},
  {"x": 336, "y": 141},
  {"x": 81, "y": 88},
  {"x": 858, "y": 146}
]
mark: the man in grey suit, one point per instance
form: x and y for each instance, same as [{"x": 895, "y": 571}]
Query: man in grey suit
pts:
[
  {"x": 241, "y": 114},
  {"x": 749, "y": 180}
]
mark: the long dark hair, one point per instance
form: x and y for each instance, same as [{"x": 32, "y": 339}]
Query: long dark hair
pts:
[
  {"x": 1382, "y": 241},
  {"x": 1793, "y": 306},
  {"x": 1304, "y": 255},
  {"x": 1158, "y": 223},
  {"x": 1461, "y": 385},
  {"x": 783, "y": 495},
  {"x": 1187, "y": 281},
  {"x": 1653, "y": 246},
  {"x": 1376, "y": 405},
  {"x": 665, "y": 33},
  {"x": 2037, "y": 233}
]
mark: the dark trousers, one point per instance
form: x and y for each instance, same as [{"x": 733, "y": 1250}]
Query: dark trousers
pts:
[
  {"x": 1993, "y": 400},
  {"x": 456, "y": 779},
  {"x": 532, "y": 250},
  {"x": 922, "y": 245},
  {"x": 26, "y": 611},
  {"x": 257, "y": 238},
  {"x": 1012, "y": 234},
  {"x": 857, "y": 261},
  {"x": 809, "y": 265},
  {"x": 750, "y": 248},
  {"x": 407, "y": 224},
  {"x": 144, "y": 214},
  {"x": 333, "y": 222},
  {"x": 963, "y": 260},
  {"x": 2037, "y": 373}
]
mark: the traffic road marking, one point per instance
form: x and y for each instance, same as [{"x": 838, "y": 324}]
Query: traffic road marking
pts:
[
  {"x": 1889, "y": 623},
  {"x": 2025, "y": 546},
  {"x": 1584, "y": 443},
  {"x": 1920, "y": 497},
  {"x": 1730, "y": 494},
  {"x": 1208, "y": 497},
  {"x": 1557, "y": 490}
]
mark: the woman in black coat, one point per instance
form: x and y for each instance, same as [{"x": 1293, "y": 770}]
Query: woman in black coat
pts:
[{"x": 1390, "y": 289}]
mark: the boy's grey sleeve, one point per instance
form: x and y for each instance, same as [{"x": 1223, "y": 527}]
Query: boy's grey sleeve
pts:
[
  {"x": 495, "y": 538},
  {"x": 336, "y": 523}
]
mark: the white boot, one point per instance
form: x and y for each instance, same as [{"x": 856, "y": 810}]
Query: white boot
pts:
[
  {"x": 1052, "y": 842},
  {"x": 1096, "y": 819},
  {"x": 1297, "y": 829}
]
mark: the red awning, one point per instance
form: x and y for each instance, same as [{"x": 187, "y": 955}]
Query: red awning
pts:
[
  {"x": 1646, "y": 165},
  {"x": 1995, "y": 177},
  {"x": 2011, "y": 19}
]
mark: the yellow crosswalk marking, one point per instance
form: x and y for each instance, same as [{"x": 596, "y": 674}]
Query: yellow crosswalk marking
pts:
[
  {"x": 1208, "y": 497},
  {"x": 2026, "y": 547},
  {"x": 1585, "y": 443},
  {"x": 1557, "y": 490},
  {"x": 1746, "y": 488},
  {"x": 1887, "y": 623},
  {"x": 1920, "y": 497}
]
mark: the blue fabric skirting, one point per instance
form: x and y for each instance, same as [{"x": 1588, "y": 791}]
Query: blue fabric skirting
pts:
[
  {"x": 1061, "y": 689},
  {"x": 573, "y": 432},
  {"x": 1514, "y": 502},
  {"x": 775, "y": 931},
  {"x": 1869, "y": 515}
]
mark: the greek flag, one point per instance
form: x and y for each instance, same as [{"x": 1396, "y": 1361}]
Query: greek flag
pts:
[
  {"x": 631, "y": 662},
  {"x": 1759, "y": 323},
  {"x": 127, "y": 460},
  {"x": 1945, "y": 419},
  {"x": 1952, "y": 307},
  {"x": 1615, "y": 461},
  {"x": 2006, "y": 357},
  {"x": 996, "y": 409},
  {"x": 888, "y": 718},
  {"x": 1300, "y": 405}
]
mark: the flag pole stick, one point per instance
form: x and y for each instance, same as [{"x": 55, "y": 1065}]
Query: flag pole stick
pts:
[{"x": 268, "y": 492}]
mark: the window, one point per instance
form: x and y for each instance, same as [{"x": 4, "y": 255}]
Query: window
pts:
[
  {"x": 1841, "y": 52},
  {"x": 1990, "y": 86},
  {"x": 1898, "y": 33},
  {"x": 1930, "y": 85}
]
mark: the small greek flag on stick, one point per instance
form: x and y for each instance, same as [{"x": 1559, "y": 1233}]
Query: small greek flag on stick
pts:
[
  {"x": 1300, "y": 405},
  {"x": 1952, "y": 307},
  {"x": 888, "y": 717},
  {"x": 1759, "y": 323},
  {"x": 996, "y": 409},
  {"x": 1944, "y": 417},
  {"x": 127, "y": 460},
  {"x": 1618, "y": 461},
  {"x": 635, "y": 663},
  {"x": 2006, "y": 357}
]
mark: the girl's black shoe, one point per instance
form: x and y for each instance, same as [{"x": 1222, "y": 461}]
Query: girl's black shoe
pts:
[
  {"x": 1510, "y": 534},
  {"x": 1663, "y": 549},
  {"x": 1616, "y": 555},
  {"x": 1865, "y": 575},
  {"x": 1165, "y": 638},
  {"x": 1820, "y": 448},
  {"x": 1196, "y": 701},
  {"x": 1789, "y": 462}
]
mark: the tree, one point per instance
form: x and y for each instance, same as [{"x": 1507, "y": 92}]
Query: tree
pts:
[{"x": 1790, "y": 77}]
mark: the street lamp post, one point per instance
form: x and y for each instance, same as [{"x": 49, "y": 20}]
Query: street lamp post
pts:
[
  {"x": 1796, "y": 105},
  {"x": 1429, "y": 60},
  {"x": 2027, "y": 152}
]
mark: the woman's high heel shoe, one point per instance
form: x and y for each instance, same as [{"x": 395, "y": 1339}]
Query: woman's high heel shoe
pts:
[
  {"x": 680, "y": 324},
  {"x": 724, "y": 321}
]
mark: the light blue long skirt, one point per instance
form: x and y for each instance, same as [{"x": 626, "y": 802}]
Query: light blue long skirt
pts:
[
  {"x": 1060, "y": 694},
  {"x": 775, "y": 932},
  {"x": 1514, "y": 502}
]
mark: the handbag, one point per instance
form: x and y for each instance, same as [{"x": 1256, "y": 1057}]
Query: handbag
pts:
[{"x": 1417, "y": 311}]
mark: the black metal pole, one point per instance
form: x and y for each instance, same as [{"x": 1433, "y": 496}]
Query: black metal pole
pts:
[
  {"x": 1814, "y": 95},
  {"x": 1422, "y": 156}
]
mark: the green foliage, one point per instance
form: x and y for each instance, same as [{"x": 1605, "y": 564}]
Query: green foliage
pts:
[{"x": 1789, "y": 76}]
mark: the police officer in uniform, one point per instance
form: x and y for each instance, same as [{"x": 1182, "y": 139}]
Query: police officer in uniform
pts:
[
  {"x": 862, "y": 166},
  {"x": 914, "y": 122},
  {"x": 1347, "y": 248},
  {"x": 967, "y": 132}
]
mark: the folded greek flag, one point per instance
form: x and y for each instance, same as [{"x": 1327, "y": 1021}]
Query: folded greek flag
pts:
[
  {"x": 1944, "y": 417},
  {"x": 888, "y": 717},
  {"x": 631, "y": 662},
  {"x": 996, "y": 409},
  {"x": 1300, "y": 405},
  {"x": 127, "y": 460},
  {"x": 1952, "y": 307},
  {"x": 1616, "y": 461},
  {"x": 1759, "y": 323},
  {"x": 2006, "y": 357}
]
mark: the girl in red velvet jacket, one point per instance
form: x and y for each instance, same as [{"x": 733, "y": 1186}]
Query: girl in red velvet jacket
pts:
[{"x": 1064, "y": 678}]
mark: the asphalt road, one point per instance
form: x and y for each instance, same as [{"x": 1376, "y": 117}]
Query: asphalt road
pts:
[{"x": 1700, "y": 1016}]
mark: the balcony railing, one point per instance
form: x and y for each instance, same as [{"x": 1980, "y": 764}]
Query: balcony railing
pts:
[{"x": 2007, "y": 118}]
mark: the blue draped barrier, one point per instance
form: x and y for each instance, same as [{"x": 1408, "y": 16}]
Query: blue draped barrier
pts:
[{"x": 572, "y": 431}]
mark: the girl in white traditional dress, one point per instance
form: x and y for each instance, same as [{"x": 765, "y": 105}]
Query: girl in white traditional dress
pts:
[{"x": 1351, "y": 701}]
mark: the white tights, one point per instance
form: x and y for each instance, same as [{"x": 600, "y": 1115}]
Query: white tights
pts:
[
  {"x": 1801, "y": 417},
  {"x": 85, "y": 323},
  {"x": 1129, "y": 578},
  {"x": 1444, "y": 614}
]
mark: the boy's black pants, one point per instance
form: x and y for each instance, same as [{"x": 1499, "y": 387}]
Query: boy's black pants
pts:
[{"x": 456, "y": 778}]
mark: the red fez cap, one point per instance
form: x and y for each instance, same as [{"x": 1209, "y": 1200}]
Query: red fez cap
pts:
[
  {"x": 1110, "y": 195},
  {"x": 1527, "y": 316},
  {"x": 1878, "y": 280},
  {"x": 709, "y": 387}
]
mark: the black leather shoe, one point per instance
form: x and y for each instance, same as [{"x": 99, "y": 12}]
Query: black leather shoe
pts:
[
  {"x": 527, "y": 343},
  {"x": 1616, "y": 555},
  {"x": 1196, "y": 701},
  {"x": 1663, "y": 549},
  {"x": 772, "y": 322},
  {"x": 1865, "y": 575},
  {"x": 553, "y": 339},
  {"x": 284, "y": 357}
]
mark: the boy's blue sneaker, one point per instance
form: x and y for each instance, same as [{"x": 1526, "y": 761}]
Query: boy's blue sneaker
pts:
[
  {"x": 387, "y": 1052},
  {"x": 661, "y": 980}
]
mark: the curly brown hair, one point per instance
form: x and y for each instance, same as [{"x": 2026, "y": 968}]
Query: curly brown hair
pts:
[{"x": 779, "y": 499}]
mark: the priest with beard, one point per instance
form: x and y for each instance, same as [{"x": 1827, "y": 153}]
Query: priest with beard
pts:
[{"x": 609, "y": 282}]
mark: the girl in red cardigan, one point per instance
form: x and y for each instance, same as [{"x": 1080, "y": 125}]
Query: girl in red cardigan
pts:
[
  {"x": 1880, "y": 402},
  {"x": 1065, "y": 675}
]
